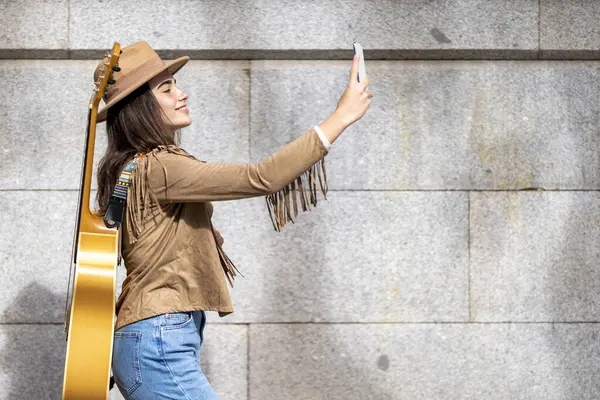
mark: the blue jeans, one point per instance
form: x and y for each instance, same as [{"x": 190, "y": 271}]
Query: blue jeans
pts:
[{"x": 159, "y": 358}]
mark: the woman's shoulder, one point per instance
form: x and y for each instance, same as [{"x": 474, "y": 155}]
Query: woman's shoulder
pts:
[
  {"x": 166, "y": 160},
  {"x": 169, "y": 152},
  {"x": 168, "y": 149}
]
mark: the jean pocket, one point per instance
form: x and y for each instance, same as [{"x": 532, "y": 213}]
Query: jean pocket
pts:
[
  {"x": 177, "y": 320},
  {"x": 126, "y": 360}
]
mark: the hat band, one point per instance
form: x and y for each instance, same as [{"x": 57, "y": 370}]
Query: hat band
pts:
[{"x": 134, "y": 76}]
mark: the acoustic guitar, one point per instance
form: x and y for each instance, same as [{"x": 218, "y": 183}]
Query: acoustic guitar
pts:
[{"x": 90, "y": 309}]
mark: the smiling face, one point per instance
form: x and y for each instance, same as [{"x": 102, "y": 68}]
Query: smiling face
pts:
[{"x": 172, "y": 100}]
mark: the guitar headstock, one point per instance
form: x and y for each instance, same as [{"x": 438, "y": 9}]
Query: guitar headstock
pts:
[{"x": 103, "y": 76}]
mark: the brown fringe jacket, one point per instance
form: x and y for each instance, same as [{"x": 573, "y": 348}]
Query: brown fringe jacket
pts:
[{"x": 173, "y": 261}]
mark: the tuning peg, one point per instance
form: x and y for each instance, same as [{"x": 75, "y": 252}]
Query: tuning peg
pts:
[
  {"x": 116, "y": 68},
  {"x": 111, "y": 81}
]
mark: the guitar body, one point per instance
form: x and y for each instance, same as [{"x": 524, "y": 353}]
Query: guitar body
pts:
[
  {"x": 90, "y": 315},
  {"x": 90, "y": 336}
]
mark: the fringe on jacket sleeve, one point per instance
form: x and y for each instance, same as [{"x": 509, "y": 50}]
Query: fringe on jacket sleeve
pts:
[{"x": 300, "y": 193}]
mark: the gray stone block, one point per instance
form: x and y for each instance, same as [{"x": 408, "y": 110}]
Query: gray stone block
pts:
[
  {"x": 229, "y": 29},
  {"x": 42, "y": 144},
  {"x": 224, "y": 360},
  {"x": 534, "y": 256},
  {"x": 358, "y": 257},
  {"x": 35, "y": 254},
  {"x": 35, "y": 28},
  {"x": 569, "y": 29},
  {"x": 219, "y": 102},
  {"x": 43, "y": 114},
  {"x": 424, "y": 361},
  {"x": 482, "y": 129},
  {"x": 443, "y": 125},
  {"x": 32, "y": 361}
]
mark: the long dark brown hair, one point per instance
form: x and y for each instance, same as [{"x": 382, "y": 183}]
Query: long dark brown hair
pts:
[{"x": 133, "y": 125}]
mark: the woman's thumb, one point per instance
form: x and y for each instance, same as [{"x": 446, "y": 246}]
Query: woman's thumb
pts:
[{"x": 354, "y": 69}]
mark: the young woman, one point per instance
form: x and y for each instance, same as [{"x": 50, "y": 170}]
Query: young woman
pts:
[{"x": 176, "y": 267}]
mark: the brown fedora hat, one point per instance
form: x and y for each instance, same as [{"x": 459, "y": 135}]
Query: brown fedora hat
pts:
[{"x": 138, "y": 64}]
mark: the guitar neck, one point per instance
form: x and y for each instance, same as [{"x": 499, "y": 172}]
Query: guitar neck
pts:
[{"x": 87, "y": 221}]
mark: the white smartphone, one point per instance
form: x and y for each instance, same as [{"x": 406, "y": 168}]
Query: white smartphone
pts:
[{"x": 362, "y": 71}]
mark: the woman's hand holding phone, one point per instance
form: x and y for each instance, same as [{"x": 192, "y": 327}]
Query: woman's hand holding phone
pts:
[{"x": 354, "y": 102}]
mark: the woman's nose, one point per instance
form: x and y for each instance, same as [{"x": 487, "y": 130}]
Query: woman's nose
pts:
[{"x": 182, "y": 95}]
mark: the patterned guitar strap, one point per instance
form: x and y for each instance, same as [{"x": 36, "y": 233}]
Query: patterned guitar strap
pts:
[{"x": 113, "y": 218}]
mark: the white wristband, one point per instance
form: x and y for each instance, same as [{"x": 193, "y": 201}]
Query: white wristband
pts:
[{"x": 326, "y": 143}]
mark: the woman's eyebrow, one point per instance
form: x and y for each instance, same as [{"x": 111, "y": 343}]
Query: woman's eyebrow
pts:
[{"x": 168, "y": 81}]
